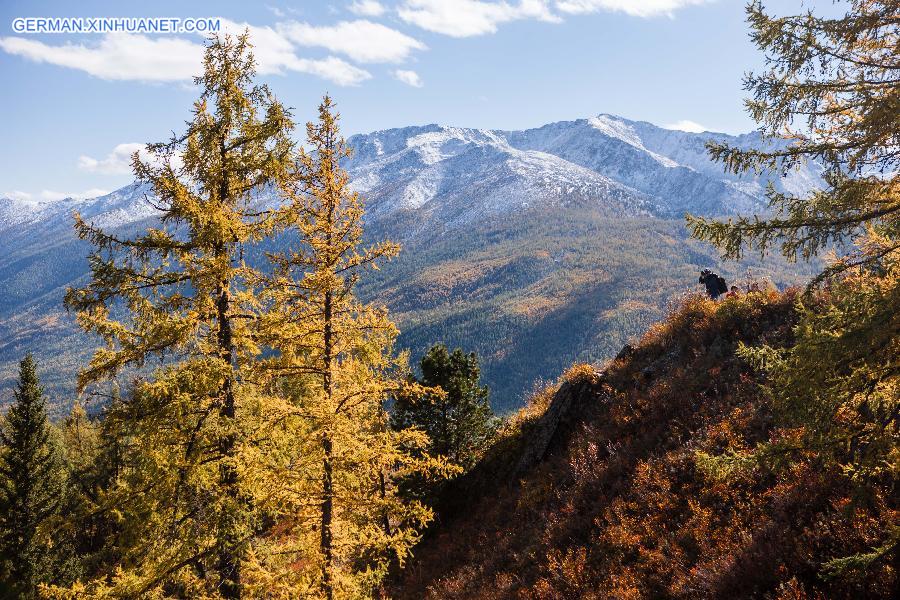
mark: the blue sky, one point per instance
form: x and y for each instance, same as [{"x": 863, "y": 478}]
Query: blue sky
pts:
[{"x": 76, "y": 105}]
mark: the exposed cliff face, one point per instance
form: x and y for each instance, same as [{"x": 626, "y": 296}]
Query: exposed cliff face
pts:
[
  {"x": 599, "y": 489},
  {"x": 554, "y": 425}
]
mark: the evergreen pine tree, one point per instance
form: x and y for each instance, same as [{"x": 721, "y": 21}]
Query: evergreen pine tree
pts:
[
  {"x": 459, "y": 422},
  {"x": 32, "y": 491}
]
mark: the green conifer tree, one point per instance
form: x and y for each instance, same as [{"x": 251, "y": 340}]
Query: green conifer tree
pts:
[
  {"x": 459, "y": 422},
  {"x": 32, "y": 492}
]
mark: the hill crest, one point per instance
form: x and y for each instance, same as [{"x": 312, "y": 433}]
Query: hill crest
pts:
[{"x": 600, "y": 488}]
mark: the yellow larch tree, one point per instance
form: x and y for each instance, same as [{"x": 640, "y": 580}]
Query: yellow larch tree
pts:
[
  {"x": 342, "y": 523},
  {"x": 181, "y": 291}
]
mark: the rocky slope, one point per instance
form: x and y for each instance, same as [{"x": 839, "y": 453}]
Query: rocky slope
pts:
[{"x": 624, "y": 167}]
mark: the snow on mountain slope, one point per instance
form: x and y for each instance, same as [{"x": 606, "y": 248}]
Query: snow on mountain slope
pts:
[
  {"x": 689, "y": 149},
  {"x": 460, "y": 175},
  {"x": 614, "y": 148},
  {"x": 121, "y": 207},
  {"x": 621, "y": 130},
  {"x": 16, "y": 213},
  {"x": 624, "y": 167}
]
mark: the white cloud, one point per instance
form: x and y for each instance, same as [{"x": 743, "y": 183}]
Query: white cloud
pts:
[
  {"x": 118, "y": 56},
  {"x": 685, "y": 125},
  {"x": 16, "y": 195},
  {"x": 123, "y": 56},
  {"x": 635, "y": 8},
  {"x": 333, "y": 69},
  {"x": 465, "y": 18},
  {"x": 361, "y": 40},
  {"x": 408, "y": 77},
  {"x": 274, "y": 54},
  {"x": 117, "y": 162},
  {"x": 367, "y": 8}
]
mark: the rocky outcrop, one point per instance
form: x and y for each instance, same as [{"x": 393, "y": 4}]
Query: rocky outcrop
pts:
[{"x": 566, "y": 410}]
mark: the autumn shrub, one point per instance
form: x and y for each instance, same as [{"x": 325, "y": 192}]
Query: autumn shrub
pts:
[{"x": 638, "y": 502}]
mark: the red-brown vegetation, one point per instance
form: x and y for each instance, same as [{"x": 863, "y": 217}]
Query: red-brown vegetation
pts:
[{"x": 621, "y": 504}]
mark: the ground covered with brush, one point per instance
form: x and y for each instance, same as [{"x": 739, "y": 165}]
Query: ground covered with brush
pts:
[{"x": 616, "y": 495}]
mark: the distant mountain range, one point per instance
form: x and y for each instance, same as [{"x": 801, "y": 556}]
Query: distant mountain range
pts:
[
  {"x": 534, "y": 248},
  {"x": 615, "y": 166}
]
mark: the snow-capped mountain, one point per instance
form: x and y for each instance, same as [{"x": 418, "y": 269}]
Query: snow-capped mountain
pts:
[
  {"x": 461, "y": 176},
  {"x": 121, "y": 207},
  {"x": 618, "y": 166},
  {"x": 571, "y": 232},
  {"x": 457, "y": 175}
]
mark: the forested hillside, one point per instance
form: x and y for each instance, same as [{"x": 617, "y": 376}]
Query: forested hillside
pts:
[
  {"x": 512, "y": 241},
  {"x": 746, "y": 448},
  {"x": 568, "y": 278},
  {"x": 636, "y": 482},
  {"x": 534, "y": 294}
]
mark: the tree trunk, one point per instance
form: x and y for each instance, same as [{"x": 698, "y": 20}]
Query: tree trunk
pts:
[
  {"x": 327, "y": 500},
  {"x": 327, "y": 483},
  {"x": 229, "y": 560},
  {"x": 229, "y": 564}
]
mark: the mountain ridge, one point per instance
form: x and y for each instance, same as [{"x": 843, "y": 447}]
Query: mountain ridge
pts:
[
  {"x": 569, "y": 146},
  {"x": 511, "y": 239}
]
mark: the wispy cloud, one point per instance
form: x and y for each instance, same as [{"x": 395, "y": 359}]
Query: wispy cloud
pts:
[
  {"x": 367, "y": 8},
  {"x": 361, "y": 40},
  {"x": 635, "y": 8},
  {"x": 686, "y": 125},
  {"x": 132, "y": 57},
  {"x": 466, "y": 18},
  {"x": 16, "y": 195},
  {"x": 275, "y": 54},
  {"x": 117, "y": 162},
  {"x": 408, "y": 77},
  {"x": 124, "y": 56},
  {"x": 118, "y": 56},
  {"x": 333, "y": 69}
]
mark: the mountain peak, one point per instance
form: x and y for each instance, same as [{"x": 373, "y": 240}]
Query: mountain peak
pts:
[
  {"x": 461, "y": 175},
  {"x": 615, "y": 127}
]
